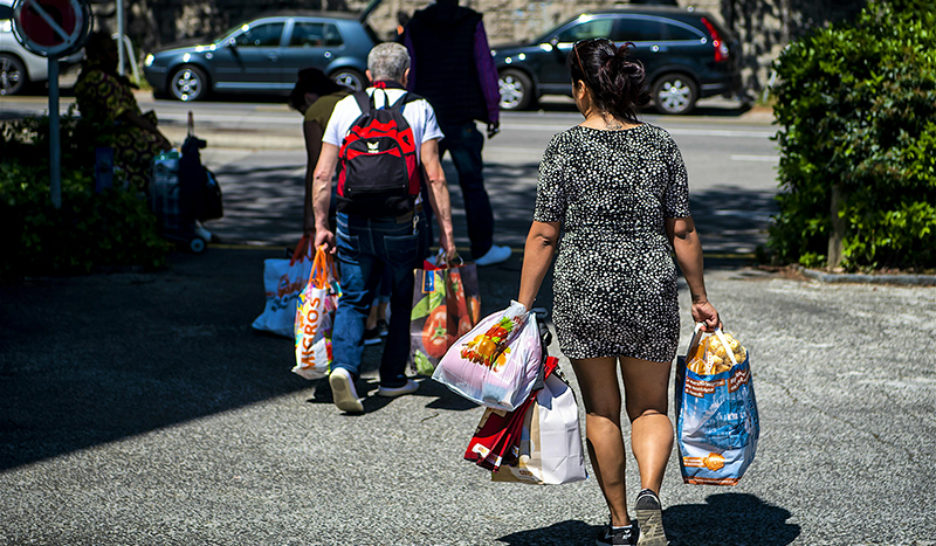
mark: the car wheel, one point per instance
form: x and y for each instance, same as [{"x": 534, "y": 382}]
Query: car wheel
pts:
[
  {"x": 675, "y": 94},
  {"x": 516, "y": 90},
  {"x": 349, "y": 77},
  {"x": 12, "y": 75},
  {"x": 188, "y": 83}
]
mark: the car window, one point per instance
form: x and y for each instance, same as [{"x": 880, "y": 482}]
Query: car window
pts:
[
  {"x": 634, "y": 29},
  {"x": 308, "y": 34},
  {"x": 261, "y": 35},
  {"x": 677, "y": 32},
  {"x": 596, "y": 28}
]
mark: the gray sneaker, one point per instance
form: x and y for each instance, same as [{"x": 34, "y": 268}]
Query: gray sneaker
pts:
[
  {"x": 650, "y": 519},
  {"x": 343, "y": 392},
  {"x": 390, "y": 392}
]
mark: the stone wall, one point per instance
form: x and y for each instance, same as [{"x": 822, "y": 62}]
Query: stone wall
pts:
[{"x": 763, "y": 26}]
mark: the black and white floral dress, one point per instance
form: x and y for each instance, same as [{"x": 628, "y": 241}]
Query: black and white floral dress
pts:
[{"x": 615, "y": 279}]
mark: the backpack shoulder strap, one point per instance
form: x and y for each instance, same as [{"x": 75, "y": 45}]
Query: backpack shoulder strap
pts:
[
  {"x": 401, "y": 103},
  {"x": 364, "y": 101}
]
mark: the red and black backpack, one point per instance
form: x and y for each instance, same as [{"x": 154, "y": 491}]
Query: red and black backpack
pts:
[{"x": 378, "y": 174}]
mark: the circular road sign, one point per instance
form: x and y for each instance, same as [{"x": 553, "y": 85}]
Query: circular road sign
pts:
[{"x": 51, "y": 27}]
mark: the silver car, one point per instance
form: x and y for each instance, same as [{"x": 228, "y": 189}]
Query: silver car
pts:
[{"x": 18, "y": 66}]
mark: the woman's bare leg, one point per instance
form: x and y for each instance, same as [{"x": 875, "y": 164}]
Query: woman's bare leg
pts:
[
  {"x": 645, "y": 394},
  {"x": 597, "y": 378}
]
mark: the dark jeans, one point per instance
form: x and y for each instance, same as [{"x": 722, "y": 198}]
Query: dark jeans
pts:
[
  {"x": 366, "y": 248},
  {"x": 464, "y": 142}
]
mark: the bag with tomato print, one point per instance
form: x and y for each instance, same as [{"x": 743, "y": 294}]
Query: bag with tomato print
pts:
[
  {"x": 446, "y": 305},
  {"x": 313, "y": 321},
  {"x": 495, "y": 364}
]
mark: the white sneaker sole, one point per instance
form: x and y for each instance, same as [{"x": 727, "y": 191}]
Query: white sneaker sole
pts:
[{"x": 343, "y": 394}]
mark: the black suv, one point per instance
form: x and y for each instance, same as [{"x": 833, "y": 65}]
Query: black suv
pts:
[{"x": 686, "y": 53}]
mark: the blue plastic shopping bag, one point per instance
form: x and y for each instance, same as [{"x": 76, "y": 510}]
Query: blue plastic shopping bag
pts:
[{"x": 717, "y": 425}]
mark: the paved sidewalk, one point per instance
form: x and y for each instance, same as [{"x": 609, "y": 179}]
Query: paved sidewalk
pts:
[{"x": 141, "y": 408}]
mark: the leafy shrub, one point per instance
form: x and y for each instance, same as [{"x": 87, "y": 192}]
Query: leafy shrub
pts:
[
  {"x": 856, "y": 105},
  {"x": 109, "y": 229}
]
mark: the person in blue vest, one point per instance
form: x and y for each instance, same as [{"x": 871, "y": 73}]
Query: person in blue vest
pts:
[
  {"x": 451, "y": 65},
  {"x": 376, "y": 234}
]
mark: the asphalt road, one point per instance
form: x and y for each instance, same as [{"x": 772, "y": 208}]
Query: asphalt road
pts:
[{"x": 140, "y": 408}]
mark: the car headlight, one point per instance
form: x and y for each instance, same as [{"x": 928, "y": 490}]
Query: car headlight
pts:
[{"x": 148, "y": 61}]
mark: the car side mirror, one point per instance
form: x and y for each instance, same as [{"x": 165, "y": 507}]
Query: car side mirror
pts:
[{"x": 554, "y": 42}]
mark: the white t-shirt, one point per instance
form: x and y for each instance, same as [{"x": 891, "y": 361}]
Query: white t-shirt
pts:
[{"x": 418, "y": 113}]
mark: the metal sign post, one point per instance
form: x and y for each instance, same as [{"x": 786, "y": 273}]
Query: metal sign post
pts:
[
  {"x": 55, "y": 147},
  {"x": 52, "y": 28}
]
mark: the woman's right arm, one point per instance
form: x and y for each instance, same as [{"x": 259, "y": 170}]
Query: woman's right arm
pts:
[{"x": 537, "y": 257}]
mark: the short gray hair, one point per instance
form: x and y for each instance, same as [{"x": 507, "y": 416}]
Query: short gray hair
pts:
[{"x": 388, "y": 61}]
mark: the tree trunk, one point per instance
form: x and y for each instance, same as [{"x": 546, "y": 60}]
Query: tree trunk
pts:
[{"x": 838, "y": 229}]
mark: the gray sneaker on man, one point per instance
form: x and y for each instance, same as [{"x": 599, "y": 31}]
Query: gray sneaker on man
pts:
[
  {"x": 344, "y": 394},
  {"x": 390, "y": 392}
]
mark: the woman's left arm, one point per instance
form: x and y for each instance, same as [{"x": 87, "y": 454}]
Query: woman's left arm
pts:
[
  {"x": 537, "y": 257},
  {"x": 685, "y": 240}
]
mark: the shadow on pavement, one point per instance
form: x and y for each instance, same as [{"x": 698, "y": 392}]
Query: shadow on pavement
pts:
[
  {"x": 565, "y": 532},
  {"x": 732, "y": 220},
  {"x": 729, "y": 518},
  {"x": 90, "y": 360}
]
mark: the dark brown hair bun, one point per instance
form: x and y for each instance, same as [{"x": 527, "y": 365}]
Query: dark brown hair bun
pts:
[{"x": 616, "y": 80}]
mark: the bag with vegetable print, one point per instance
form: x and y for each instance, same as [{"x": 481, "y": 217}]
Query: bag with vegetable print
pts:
[
  {"x": 497, "y": 362},
  {"x": 446, "y": 305}
]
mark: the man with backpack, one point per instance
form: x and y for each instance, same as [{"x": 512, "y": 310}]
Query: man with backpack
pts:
[{"x": 383, "y": 141}]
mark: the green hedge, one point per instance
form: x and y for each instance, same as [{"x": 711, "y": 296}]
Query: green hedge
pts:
[
  {"x": 856, "y": 104},
  {"x": 89, "y": 232}
]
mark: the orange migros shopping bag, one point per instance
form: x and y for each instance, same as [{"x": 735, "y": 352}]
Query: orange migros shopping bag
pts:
[
  {"x": 313, "y": 319},
  {"x": 717, "y": 426}
]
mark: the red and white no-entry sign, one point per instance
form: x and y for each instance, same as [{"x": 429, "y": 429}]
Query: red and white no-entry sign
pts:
[{"x": 51, "y": 27}]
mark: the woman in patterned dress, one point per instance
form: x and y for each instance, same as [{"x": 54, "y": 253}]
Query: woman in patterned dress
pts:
[
  {"x": 616, "y": 190},
  {"x": 105, "y": 99}
]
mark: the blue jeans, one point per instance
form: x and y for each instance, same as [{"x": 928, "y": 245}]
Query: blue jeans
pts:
[
  {"x": 366, "y": 248},
  {"x": 464, "y": 143}
]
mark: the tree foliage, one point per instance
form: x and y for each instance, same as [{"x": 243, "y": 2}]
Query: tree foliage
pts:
[
  {"x": 856, "y": 104},
  {"x": 91, "y": 230}
]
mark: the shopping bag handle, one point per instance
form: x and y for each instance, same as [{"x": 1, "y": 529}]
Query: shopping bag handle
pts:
[
  {"x": 323, "y": 268},
  {"x": 441, "y": 263},
  {"x": 304, "y": 247},
  {"x": 697, "y": 334},
  {"x": 721, "y": 337}
]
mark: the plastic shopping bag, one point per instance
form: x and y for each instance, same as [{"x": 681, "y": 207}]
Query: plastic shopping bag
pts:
[
  {"x": 497, "y": 362},
  {"x": 317, "y": 304},
  {"x": 549, "y": 450},
  {"x": 282, "y": 281},
  {"x": 499, "y": 431},
  {"x": 446, "y": 305},
  {"x": 717, "y": 425}
]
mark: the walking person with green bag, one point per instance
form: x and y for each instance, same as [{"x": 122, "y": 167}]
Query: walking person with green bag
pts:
[{"x": 616, "y": 190}]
